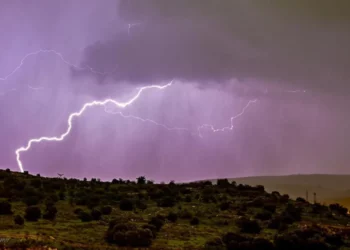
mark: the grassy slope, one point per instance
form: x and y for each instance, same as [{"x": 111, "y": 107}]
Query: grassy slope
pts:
[
  {"x": 327, "y": 187},
  {"x": 68, "y": 230}
]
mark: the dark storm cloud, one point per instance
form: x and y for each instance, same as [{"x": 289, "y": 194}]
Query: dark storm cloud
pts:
[{"x": 304, "y": 45}]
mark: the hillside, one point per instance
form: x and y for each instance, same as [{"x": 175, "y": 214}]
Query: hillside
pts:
[
  {"x": 326, "y": 187},
  {"x": 37, "y": 212}
]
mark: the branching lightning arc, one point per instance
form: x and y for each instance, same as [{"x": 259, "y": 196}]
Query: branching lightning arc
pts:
[
  {"x": 147, "y": 120},
  {"x": 57, "y": 54},
  {"x": 104, "y": 103},
  {"x": 79, "y": 113},
  {"x": 213, "y": 129}
]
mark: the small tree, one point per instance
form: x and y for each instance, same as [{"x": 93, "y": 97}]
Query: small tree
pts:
[
  {"x": 141, "y": 180},
  {"x": 223, "y": 182}
]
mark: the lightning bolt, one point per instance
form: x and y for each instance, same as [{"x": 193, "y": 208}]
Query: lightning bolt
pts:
[
  {"x": 148, "y": 120},
  {"x": 79, "y": 113},
  {"x": 103, "y": 103},
  {"x": 296, "y": 91},
  {"x": 213, "y": 129},
  {"x": 130, "y": 25},
  {"x": 34, "y": 88},
  {"x": 57, "y": 54}
]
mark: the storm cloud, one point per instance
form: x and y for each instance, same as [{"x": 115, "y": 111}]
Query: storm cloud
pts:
[
  {"x": 292, "y": 57},
  {"x": 292, "y": 43}
]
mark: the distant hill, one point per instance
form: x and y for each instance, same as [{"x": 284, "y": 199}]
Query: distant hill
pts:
[{"x": 326, "y": 187}]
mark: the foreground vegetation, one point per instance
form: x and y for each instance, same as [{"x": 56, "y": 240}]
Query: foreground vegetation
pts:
[{"x": 62, "y": 213}]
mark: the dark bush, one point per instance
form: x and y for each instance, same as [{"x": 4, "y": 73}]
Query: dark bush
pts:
[
  {"x": 292, "y": 212},
  {"x": 31, "y": 200},
  {"x": 96, "y": 214},
  {"x": 50, "y": 213},
  {"x": 270, "y": 207},
  {"x": 223, "y": 182},
  {"x": 185, "y": 214},
  {"x": 157, "y": 222},
  {"x": 257, "y": 202},
  {"x": 302, "y": 200},
  {"x": 221, "y": 222},
  {"x": 126, "y": 205},
  {"x": 62, "y": 195},
  {"x": 19, "y": 220},
  {"x": 141, "y": 180},
  {"x": 214, "y": 243},
  {"x": 233, "y": 237},
  {"x": 277, "y": 223},
  {"x": 116, "y": 232},
  {"x": 334, "y": 239},
  {"x": 93, "y": 201},
  {"x": 194, "y": 221},
  {"x": 53, "y": 197},
  {"x": 262, "y": 244},
  {"x": 263, "y": 216},
  {"x": 338, "y": 208},
  {"x": 106, "y": 210},
  {"x": 293, "y": 242},
  {"x": 319, "y": 209},
  {"x": 152, "y": 228},
  {"x": 32, "y": 213},
  {"x": 36, "y": 183},
  {"x": 167, "y": 201},
  {"x": 172, "y": 217},
  {"x": 141, "y": 205},
  {"x": 287, "y": 242},
  {"x": 5, "y": 207},
  {"x": 85, "y": 216},
  {"x": 126, "y": 234},
  {"x": 139, "y": 238},
  {"x": 249, "y": 226},
  {"x": 77, "y": 211},
  {"x": 224, "y": 205},
  {"x": 188, "y": 198},
  {"x": 284, "y": 198}
]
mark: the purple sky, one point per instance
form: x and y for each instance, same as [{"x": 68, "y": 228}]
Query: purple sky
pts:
[{"x": 222, "y": 54}]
